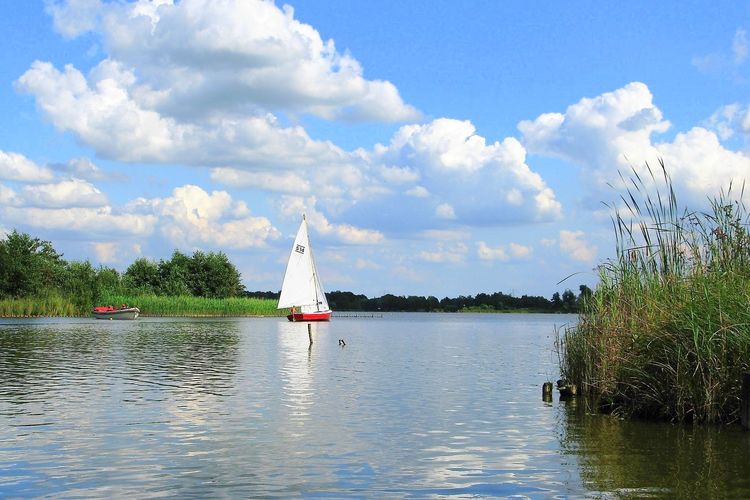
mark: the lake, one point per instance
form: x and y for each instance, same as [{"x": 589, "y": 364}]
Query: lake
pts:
[{"x": 413, "y": 406}]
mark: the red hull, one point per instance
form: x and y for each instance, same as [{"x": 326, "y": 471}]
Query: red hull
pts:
[{"x": 316, "y": 316}]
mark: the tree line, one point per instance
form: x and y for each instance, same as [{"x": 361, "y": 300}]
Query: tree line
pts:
[
  {"x": 567, "y": 302},
  {"x": 31, "y": 267}
]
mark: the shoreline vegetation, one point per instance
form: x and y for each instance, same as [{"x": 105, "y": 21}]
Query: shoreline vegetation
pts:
[
  {"x": 150, "y": 305},
  {"x": 35, "y": 281},
  {"x": 666, "y": 333},
  {"x": 196, "y": 307}
]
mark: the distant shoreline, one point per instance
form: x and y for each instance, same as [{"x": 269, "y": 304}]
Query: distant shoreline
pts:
[
  {"x": 343, "y": 314},
  {"x": 152, "y": 305}
]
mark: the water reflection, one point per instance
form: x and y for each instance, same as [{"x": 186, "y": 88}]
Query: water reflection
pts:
[
  {"x": 85, "y": 401},
  {"x": 296, "y": 372},
  {"x": 414, "y": 406},
  {"x": 39, "y": 362},
  {"x": 647, "y": 459},
  {"x": 183, "y": 357}
]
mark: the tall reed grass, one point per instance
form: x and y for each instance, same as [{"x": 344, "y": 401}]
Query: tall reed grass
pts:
[
  {"x": 666, "y": 333},
  {"x": 155, "y": 305},
  {"x": 51, "y": 305},
  {"x": 150, "y": 305}
]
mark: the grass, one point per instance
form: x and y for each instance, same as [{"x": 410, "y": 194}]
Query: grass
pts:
[
  {"x": 53, "y": 305},
  {"x": 150, "y": 305},
  {"x": 666, "y": 333},
  {"x": 153, "y": 305}
]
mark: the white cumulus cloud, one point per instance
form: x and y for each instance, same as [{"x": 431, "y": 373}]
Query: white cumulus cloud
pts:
[
  {"x": 463, "y": 177},
  {"x": 573, "y": 245},
  {"x": 104, "y": 114},
  {"x": 602, "y": 134},
  {"x": 502, "y": 252},
  {"x": 730, "y": 120},
  {"x": 445, "y": 211},
  {"x": 612, "y": 133},
  {"x": 453, "y": 254},
  {"x": 8, "y": 196},
  {"x": 284, "y": 182},
  {"x": 64, "y": 194},
  {"x": 84, "y": 168},
  {"x": 292, "y": 207},
  {"x": 200, "y": 57},
  {"x": 74, "y": 17},
  {"x": 16, "y": 167},
  {"x": 72, "y": 205},
  {"x": 418, "y": 192},
  {"x": 109, "y": 252},
  {"x": 192, "y": 217},
  {"x": 83, "y": 220}
]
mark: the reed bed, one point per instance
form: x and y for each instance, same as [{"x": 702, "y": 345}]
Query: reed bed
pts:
[
  {"x": 155, "y": 305},
  {"x": 666, "y": 333},
  {"x": 150, "y": 305},
  {"x": 29, "y": 307}
]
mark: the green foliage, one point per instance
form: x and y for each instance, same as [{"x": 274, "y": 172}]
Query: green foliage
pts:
[
  {"x": 569, "y": 301},
  {"x": 31, "y": 268},
  {"x": 51, "y": 304},
  {"x": 81, "y": 284},
  {"x": 666, "y": 333},
  {"x": 159, "y": 305},
  {"x": 174, "y": 275},
  {"x": 557, "y": 302},
  {"x": 36, "y": 281},
  {"x": 142, "y": 276},
  {"x": 212, "y": 275},
  {"x": 109, "y": 280},
  {"x": 28, "y": 266},
  {"x": 203, "y": 274},
  {"x": 482, "y": 302}
]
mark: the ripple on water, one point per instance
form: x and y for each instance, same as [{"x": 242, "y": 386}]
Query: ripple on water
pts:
[{"x": 414, "y": 406}]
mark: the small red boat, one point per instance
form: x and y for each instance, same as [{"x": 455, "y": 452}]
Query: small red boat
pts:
[
  {"x": 312, "y": 316},
  {"x": 109, "y": 312}
]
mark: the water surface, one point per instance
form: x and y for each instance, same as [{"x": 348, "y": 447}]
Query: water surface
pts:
[{"x": 415, "y": 405}]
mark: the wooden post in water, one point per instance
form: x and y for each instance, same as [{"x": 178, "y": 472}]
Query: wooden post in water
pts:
[
  {"x": 309, "y": 332},
  {"x": 745, "y": 401},
  {"x": 567, "y": 390},
  {"x": 547, "y": 392}
]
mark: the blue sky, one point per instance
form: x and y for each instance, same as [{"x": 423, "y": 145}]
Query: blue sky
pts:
[{"x": 437, "y": 147}]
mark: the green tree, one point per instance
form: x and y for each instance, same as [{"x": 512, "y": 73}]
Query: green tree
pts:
[
  {"x": 557, "y": 302},
  {"x": 432, "y": 303},
  {"x": 81, "y": 284},
  {"x": 569, "y": 301},
  {"x": 174, "y": 275},
  {"x": 213, "y": 275},
  {"x": 28, "y": 266},
  {"x": 109, "y": 280},
  {"x": 142, "y": 276}
]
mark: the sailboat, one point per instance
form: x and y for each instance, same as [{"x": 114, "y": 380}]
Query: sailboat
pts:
[{"x": 301, "y": 289}]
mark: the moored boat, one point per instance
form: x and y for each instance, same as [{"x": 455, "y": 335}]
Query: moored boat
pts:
[
  {"x": 302, "y": 290},
  {"x": 311, "y": 316},
  {"x": 109, "y": 312}
]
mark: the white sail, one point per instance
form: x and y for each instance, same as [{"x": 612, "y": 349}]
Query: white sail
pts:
[{"x": 301, "y": 287}]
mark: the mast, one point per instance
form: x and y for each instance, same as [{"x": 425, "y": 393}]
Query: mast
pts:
[{"x": 316, "y": 284}]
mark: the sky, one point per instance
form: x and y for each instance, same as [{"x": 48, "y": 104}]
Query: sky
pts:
[{"x": 436, "y": 147}]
